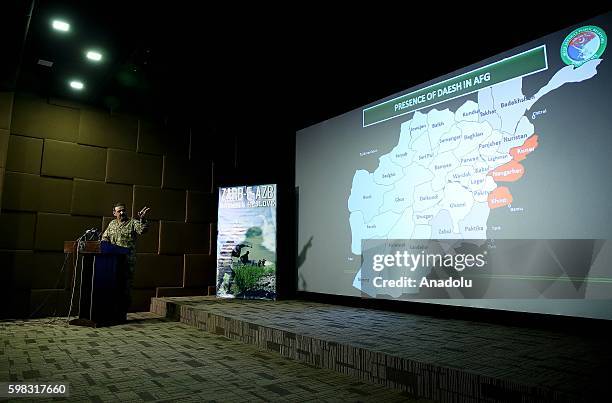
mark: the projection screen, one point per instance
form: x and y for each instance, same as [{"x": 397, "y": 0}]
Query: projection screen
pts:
[{"x": 514, "y": 151}]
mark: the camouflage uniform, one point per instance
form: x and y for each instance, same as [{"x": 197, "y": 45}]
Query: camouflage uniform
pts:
[{"x": 124, "y": 233}]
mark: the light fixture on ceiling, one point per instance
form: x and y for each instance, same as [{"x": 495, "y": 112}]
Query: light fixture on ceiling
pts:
[
  {"x": 94, "y": 55},
  {"x": 46, "y": 63},
  {"x": 77, "y": 85},
  {"x": 59, "y": 25}
]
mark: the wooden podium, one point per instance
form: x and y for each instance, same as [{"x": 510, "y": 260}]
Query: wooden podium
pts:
[{"x": 100, "y": 269}]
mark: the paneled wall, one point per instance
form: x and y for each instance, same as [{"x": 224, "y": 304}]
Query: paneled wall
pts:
[
  {"x": 62, "y": 168},
  {"x": 6, "y": 108}
]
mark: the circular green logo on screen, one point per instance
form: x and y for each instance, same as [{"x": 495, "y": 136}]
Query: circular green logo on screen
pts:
[{"x": 583, "y": 44}]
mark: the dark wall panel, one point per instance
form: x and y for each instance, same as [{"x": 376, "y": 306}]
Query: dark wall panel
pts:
[
  {"x": 39, "y": 270},
  {"x": 27, "y": 192},
  {"x": 98, "y": 198},
  {"x": 149, "y": 241},
  {"x": 50, "y": 302},
  {"x": 202, "y": 206},
  {"x": 161, "y": 140},
  {"x": 153, "y": 270},
  {"x": 1, "y": 185},
  {"x": 141, "y": 299},
  {"x": 53, "y": 229},
  {"x": 34, "y": 117},
  {"x": 4, "y": 142},
  {"x": 105, "y": 130},
  {"x": 187, "y": 174},
  {"x": 164, "y": 204},
  {"x": 181, "y": 237},
  {"x": 6, "y": 109},
  {"x": 133, "y": 168},
  {"x": 70, "y": 160},
  {"x": 200, "y": 270},
  {"x": 24, "y": 154},
  {"x": 17, "y": 230}
]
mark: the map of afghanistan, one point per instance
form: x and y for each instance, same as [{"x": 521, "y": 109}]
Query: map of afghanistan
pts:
[{"x": 449, "y": 169}]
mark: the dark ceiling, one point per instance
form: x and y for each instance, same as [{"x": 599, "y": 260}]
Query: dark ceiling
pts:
[{"x": 267, "y": 68}]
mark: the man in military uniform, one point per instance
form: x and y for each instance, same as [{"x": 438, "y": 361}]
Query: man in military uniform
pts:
[{"x": 123, "y": 231}]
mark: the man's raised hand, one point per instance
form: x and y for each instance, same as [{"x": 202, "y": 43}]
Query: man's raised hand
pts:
[{"x": 142, "y": 212}]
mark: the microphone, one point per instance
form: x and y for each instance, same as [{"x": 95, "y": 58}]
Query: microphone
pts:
[{"x": 89, "y": 231}]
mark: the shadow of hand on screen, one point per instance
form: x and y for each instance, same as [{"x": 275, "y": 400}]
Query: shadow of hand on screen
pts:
[{"x": 302, "y": 256}]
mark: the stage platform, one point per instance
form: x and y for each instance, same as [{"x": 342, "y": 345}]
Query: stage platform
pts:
[{"x": 446, "y": 360}]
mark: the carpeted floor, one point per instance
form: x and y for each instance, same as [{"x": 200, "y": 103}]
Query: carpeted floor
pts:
[{"x": 152, "y": 359}]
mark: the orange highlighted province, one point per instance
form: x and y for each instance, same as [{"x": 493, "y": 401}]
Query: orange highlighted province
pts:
[
  {"x": 509, "y": 172},
  {"x": 499, "y": 197},
  {"x": 520, "y": 153}
]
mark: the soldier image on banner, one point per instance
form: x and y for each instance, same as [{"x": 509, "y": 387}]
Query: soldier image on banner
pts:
[{"x": 246, "y": 242}]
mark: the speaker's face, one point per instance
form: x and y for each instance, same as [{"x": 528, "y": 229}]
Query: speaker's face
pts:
[{"x": 120, "y": 213}]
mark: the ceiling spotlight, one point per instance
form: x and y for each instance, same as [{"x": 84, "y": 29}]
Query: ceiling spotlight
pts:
[
  {"x": 77, "y": 85},
  {"x": 45, "y": 63},
  {"x": 93, "y": 55},
  {"x": 61, "y": 26}
]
